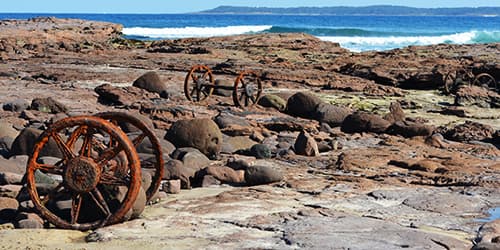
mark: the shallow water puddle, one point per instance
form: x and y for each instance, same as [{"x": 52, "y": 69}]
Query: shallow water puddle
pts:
[{"x": 494, "y": 213}]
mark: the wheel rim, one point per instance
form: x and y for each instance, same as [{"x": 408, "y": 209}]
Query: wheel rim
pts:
[
  {"x": 247, "y": 89},
  {"x": 87, "y": 174},
  {"x": 486, "y": 80},
  {"x": 146, "y": 133},
  {"x": 198, "y": 83}
]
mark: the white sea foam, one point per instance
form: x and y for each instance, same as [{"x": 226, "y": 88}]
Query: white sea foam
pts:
[
  {"x": 193, "y": 31},
  {"x": 357, "y": 43}
]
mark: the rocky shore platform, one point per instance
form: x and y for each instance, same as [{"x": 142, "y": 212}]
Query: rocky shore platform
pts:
[{"x": 343, "y": 151}]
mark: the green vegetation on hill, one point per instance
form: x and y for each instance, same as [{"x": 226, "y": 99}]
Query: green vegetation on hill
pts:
[{"x": 383, "y": 10}]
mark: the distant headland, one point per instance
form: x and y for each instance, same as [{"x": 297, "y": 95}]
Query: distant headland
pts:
[{"x": 379, "y": 10}]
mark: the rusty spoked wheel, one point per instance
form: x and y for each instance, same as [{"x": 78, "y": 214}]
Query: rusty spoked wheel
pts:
[
  {"x": 145, "y": 133},
  {"x": 449, "y": 82},
  {"x": 486, "y": 80},
  {"x": 98, "y": 176},
  {"x": 247, "y": 89},
  {"x": 199, "y": 83}
]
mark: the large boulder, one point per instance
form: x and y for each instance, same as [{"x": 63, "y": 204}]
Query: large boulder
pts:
[
  {"x": 364, "y": 122},
  {"x": 306, "y": 145},
  {"x": 48, "y": 105},
  {"x": 202, "y": 134},
  {"x": 331, "y": 114},
  {"x": 258, "y": 175},
  {"x": 272, "y": 101},
  {"x": 303, "y": 104},
  {"x": 410, "y": 129},
  {"x": 25, "y": 141},
  {"x": 151, "y": 82}
]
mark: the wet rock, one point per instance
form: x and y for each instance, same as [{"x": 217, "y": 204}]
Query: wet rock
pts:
[
  {"x": 18, "y": 105},
  {"x": 174, "y": 169},
  {"x": 258, "y": 175},
  {"x": 151, "y": 82},
  {"x": 203, "y": 134},
  {"x": 396, "y": 113},
  {"x": 260, "y": 151},
  {"x": 364, "y": 122},
  {"x": 226, "y": 90},
  {"x": 24, "y": 143},
  {"x": 48, "y": 105},
  {"x": 8, "y": 208},
  {"x": 410, "y": 129},
  {"x": 469, "y": 131},
  {"x": 172, "y": 186},
  {"x": 272, "y": 101},
  {"x": 306, "y": 145},
  {"x": 303, "y": 104},
  {"x": 331, "y": 114}
]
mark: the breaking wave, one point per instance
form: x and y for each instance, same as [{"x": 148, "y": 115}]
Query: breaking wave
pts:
[{"x": 193, "y": 31}]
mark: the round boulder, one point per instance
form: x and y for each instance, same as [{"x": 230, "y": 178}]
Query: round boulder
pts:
[
  {"x": 202, "y": 134},
  {"x": 303, "y": 104},
  {"x": 331, "y": 114},
  {"x": 151, "y": 82},
  {"x": 364, "y": 122},
  {"x": 258, "y": 175},
  {"x": 272, "y": 101}
]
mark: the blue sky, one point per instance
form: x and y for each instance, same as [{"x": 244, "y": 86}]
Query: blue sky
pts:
[{"x": 171, "y": 6}]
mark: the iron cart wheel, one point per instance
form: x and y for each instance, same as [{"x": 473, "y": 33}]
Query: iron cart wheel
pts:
[
  {"x": 247, "y": 89},
  {"x": 486, "y": 80},
  {"x": 97, "y": 161},
  {"x": 146, "y": 133},
  {"x": 199, "y": 83}
]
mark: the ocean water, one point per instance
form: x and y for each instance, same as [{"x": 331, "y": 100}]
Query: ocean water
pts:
[{"x": 356, "y": 33}]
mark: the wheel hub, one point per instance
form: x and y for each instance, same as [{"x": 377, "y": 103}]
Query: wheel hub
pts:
[
  {"x": 82, "y": 174},
  {"x": 249, "y": 89}
]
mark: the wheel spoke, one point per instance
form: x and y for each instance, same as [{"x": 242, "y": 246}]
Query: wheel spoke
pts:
[
  {"x": 108, "y": 154},
  {"x": 100, "y": 201},
  {"x": 75, "y": 208},
  {"x": 53, "y": 192},
  {"x": 253, "y": 99},
  {"x": 193, "y": 91},
  {"x": 138, "y": 139},
  {"x": 66, "y": 151},
  {"x": 87, "y": 145},
  {"x": 75, "y": 135},
  {"x": 109, "y": 179},
  {"x": 194, "y": 77},
  {"x": 246, "y": 100},
  {"x": 198, "y": 91},
  {"x": 50, "y": 169}
]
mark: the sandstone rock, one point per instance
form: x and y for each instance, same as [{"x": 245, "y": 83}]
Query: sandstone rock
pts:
[
  {"x": 303, "y": 105},
  {"x": 202, "y": 134},
  {"x": 8, "y": 208},
  {"x": 478, "y": 96},
  {"x": 11, "y": 191},
  {"x": 258, "y": 175},
  {"x": 113, "y": 95},
  {"x": 29, "y": 224},
  {"x": 6, "y": 130},
  {"x": 306, "y": 145},
  {"x": 15, "y": 164},
  {"x": 223, "y": 174},
  {"x": 209, "y": 180},
  {"x": 18, "y": 105},
  {"x": 260, "y": 151},
  {"x": 233, "y": 144},
  {"x": 272, "y": 101},
  {"x": 226, "y": 90},
  {"x": 410, "y": 129},
  {"x": 331, "y": 114},
  {"x": 48, "y": 105},
  {"x": 191, "y": 158},
  {"x": 396, "y": 113},
  {"x": 10, "y": 178},
  {"x": 233, "y": 125},
  {"x": 151, "y": 82},
  {"x": 24, "y": 143},
  {"x": 470, "y": 131},
  {"x": 174, "y": 169},
  {"x": 172, "y": 186},
  {"x": 364, "y": 122}
]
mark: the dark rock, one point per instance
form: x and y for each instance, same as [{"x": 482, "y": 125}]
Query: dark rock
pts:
[
  {"x": 174, "y": 169},
  {"x": 151, "y": 82},
  {"x": 226, "y": 90},
  {"x": 410, "y": 129},
  {"x": 303, "y": 105},
  {"x": 258, "y": 175},
  {"x": 260, "y": 151},
  {"x": 306, "y": 145},
  {"x": 48, "y": 105},
  {"x": 25, "y": 141},
  {"x": 238, "y": 164},
  {"x": 272, "y": 101},
  {"x": 331, "y": 114},
  {"x": 191, "y": 158},
  {"x": 364, "y": 122},
  {"x": 18, "y": 105},
  {"x": 469, "y": 131},
  {"x": 202, "y": 134}
]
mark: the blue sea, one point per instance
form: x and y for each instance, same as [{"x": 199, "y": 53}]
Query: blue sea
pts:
[{"x": 356, "y": 33}]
